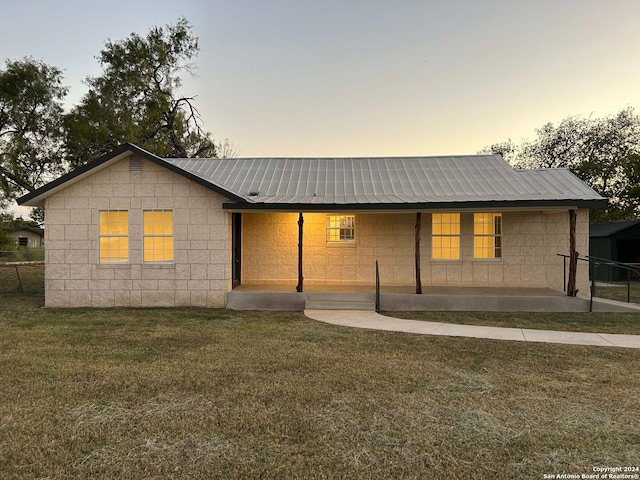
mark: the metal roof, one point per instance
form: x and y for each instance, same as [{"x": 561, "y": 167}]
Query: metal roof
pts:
[
  {"x": 608, "y": 229},
  {"x": 386, "y": 181},
  {"x": 420, "y": 183}
]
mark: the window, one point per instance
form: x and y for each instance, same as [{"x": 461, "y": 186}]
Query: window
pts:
[
  {"x": 341, "y": 228},
  {"x": 158, "y": 235},
  {"x": 113, "y": 228},
  {"x": 445, "y": 231},
  {"x": 23, "y": 242},
  {"x": 487, "y": 235}
]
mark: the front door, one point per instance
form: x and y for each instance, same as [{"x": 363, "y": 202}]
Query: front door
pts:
[{"x": 236, "y": 248}]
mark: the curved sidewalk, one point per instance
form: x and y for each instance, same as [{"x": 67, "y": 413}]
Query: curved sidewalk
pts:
[{"x": 375, "y": 321}]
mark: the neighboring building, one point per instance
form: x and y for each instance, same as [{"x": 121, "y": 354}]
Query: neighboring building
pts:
[
  {"x": 617, "y": 241},
  {"x": 133, "y": 229},
  {"x": 26, "y": 237}
]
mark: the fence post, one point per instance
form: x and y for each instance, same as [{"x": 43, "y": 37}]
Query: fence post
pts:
[
  {"x": 592, "y": 268},
  {"x": 628, "y": 285},
  {"x": 19, "y": 280}
]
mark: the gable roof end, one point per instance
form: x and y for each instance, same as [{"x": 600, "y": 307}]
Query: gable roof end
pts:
[{"x": 37, "y": 197}]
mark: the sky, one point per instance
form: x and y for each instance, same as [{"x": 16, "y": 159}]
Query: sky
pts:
[{"x": 363, "y": 78}]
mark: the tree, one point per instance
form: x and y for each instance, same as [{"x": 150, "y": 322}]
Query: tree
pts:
[
  {"x": 603, "y": 152},
  {"x": 31, "y": 95},
  {"x": 136, "y": 99},
  {"x": 507, "y": 150},
  {"x": 226, "y": 149},
  {"x": 5, "y": 240}
]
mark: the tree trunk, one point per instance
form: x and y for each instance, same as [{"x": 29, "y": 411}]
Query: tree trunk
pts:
[
  {"x": 299, "y": 287},
  {"x": 573, "y": 255},
  {"x": 417, "y": 252}
]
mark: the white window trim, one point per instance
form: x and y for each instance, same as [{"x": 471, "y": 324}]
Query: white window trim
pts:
[
  {"x": 128, "y": 261},
  {"x": 340, "y": 243},
  {"x": 173, "y": 231},
  {"x": 500, "y": 236},
  {"x": 458, "y": 236}
]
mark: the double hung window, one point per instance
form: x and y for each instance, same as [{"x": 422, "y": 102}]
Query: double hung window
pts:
[
  {"x": 445, "y": 230},
  {"x": 158, "y": 236},
  {"x": 341, "y": 228},
  {"x": 487, "y": 235},
  {"x": 113, "y": 236}
]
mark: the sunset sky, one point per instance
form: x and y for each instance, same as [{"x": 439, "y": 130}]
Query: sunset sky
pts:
[{"x": 364, "y": 78}]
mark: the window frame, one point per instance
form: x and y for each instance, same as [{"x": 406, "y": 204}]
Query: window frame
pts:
[
  {"x": 330, "y": 227},
  {"x": 154, "y": 235},
  {"x": 449, "y": 235},
  {"x": 496, "y": 235},
  {"x": 101, "y": 236}
]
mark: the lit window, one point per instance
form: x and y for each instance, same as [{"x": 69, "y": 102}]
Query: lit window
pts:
[
  {"x": 113, "y": 236},
  {"x": 158, "y": 236},
  {"x": 341, "y": 228},
  {"x": 487, "y": 235},
  {"x": 445, "y": 236}
]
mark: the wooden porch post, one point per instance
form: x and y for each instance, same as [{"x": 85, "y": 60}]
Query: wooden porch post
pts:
[
  {"x": 573, "y": 255},
  {"x": 299, "y": 287},
  {"x": 417, "y": 252}
]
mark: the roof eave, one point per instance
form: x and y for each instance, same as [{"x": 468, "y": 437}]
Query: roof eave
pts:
[{"x": 469, "y": 205}]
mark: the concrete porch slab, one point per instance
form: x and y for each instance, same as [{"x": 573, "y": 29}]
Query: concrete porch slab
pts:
[{"x": 433, "y": 299}]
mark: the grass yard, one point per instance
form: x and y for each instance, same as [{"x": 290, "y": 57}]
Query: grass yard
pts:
[
  {"x": 191, "y": 393},
  {"x": 619, "y": 291},
  {"x": 31, "y": 277}
]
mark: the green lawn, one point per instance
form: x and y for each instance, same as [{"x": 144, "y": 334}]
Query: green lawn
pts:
[{"x": 196, "y": 393}]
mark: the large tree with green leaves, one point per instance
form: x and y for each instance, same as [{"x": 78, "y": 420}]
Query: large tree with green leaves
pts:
[
  {"x": 603, "y": 152},
  {"x": 137, "y": 99},
  {"x": 31, "y": 95}
]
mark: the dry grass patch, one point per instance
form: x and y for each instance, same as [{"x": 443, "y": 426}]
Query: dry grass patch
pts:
[
  {"x": 187, "y": 393},
  {"x": 28, "y": 277}
]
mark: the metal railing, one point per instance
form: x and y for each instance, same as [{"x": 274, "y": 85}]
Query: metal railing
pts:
[
  {"x": 609, "y": 277},
  {"x": 377, "y": 288}
]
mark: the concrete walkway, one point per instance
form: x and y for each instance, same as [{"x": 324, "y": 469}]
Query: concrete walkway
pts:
[{"x": 374, "y": 321}]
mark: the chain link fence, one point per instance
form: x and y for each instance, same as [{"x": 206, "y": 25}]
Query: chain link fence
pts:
[
  {"x": 610, "y": 279},
  {"x": 22, "y": 270},
  {"x": 615, "y": 280}
]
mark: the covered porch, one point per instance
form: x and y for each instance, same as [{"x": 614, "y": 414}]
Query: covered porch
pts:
[{"x": 289, "y": 252}]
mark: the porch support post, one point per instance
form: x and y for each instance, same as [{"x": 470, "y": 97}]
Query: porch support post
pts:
[
  {"x": 417, "y": 252},
  {"x": 573, "y": 255},
  {"x": 299, "y": 287}
]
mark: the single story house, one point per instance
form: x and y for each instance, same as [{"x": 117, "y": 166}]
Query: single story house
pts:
[
  {"x": 131, "y": 229},
  {"x": 26, "y": 237}
]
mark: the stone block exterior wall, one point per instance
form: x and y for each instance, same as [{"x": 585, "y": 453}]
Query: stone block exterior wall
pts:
[
  {"x": 270, "y": 249},
  {"x": 530, "y": 239},
  {"x": 200, "y": 273},
  {"x": 530, "y": 242}
]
